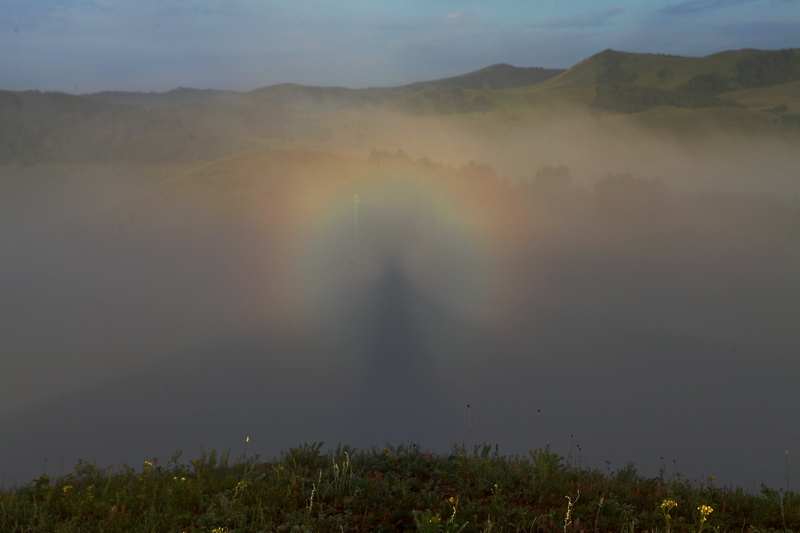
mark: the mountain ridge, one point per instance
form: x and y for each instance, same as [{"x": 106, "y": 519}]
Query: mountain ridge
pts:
[
  {"x": 493, "y": 77},
  {"x": 752, "y": 90},
  {"x": 525, "y": 75}
]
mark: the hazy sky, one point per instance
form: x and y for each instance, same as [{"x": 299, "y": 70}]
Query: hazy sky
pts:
[{"x": 81, "y": 46}]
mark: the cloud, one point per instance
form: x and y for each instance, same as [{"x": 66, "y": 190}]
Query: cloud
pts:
[
  {"x": 770, "y": 33},
  {"x": 699, "y": 6},
  {"x": 597, "y": 18},
  {"x": 462, "y": 18},
  {"x": 236, "y": 44}
]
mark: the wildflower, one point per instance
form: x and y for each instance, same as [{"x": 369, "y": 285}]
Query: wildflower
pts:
[
  {"x": 705, "y": 510},
  {"x": 435, "y": 519},
  {"x": 43, "y": 481},
  {"x": 668, "y": 505},
  {"x": 453, "y": 500}
]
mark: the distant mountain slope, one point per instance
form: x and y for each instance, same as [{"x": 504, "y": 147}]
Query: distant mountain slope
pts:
[
  {"x": 181, "y": 95},
  {"x": 479, "y": 91},
  {"x": 499, "y": 76},
  {"x": 58, "y": 127},
  {"x": 291, "y": 95},
  {"x": 655, "y": 70},
  {"x": 495, "y": 77},
  {"x": 754, "y": 90},
  {"x": 630, "y": 83},
  {"x": 190, "y": 124}
]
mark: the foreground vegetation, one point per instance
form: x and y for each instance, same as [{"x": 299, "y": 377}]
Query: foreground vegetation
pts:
[{"x": 392, "y": 489}]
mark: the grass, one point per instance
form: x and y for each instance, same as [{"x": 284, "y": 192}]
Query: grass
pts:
[
  {"x": 764, "y": 98},
  {"x": 398, "y": 488}
]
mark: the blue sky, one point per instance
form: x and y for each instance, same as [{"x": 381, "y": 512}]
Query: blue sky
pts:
[{"x": 83, "y": 46}]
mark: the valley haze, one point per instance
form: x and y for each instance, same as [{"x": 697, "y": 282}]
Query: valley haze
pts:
[{"x": 603, "y": 258}]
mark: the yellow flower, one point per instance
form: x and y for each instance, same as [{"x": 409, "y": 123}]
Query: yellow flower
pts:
[
  {"x": 66, "y": 488},
  {"x": 705, "y": 510},
  {"x": 454, "y": 502},
  {"x": 668, "y": 505}
]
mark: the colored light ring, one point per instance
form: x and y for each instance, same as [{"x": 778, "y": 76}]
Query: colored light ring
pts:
[
  {"x": 418, "y": 224},
  {"x": 328, "y": 227}
]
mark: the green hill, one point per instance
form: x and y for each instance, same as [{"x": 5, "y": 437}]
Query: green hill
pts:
[
  {"x": 690, "y": 82},
  {"x": 63, "y": 128},
  {"x": 751, "y": 90},
  {"x": 498, "y": 76},
  {"x": 181, "y": 95},
  {"x": 446, "y": 95},
  {"x": 746, "y": 68}
]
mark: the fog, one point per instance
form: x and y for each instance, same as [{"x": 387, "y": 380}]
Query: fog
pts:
[{"x": 641, "y": 306}]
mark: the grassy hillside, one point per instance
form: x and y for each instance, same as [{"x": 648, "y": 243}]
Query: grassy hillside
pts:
[
  {"x": 57, "y": 127},
  {"x": 185, "y": 125},
  {"x": 781, "y": 98},
  {"x": 738, "y": 69},
  {"x": 398, "y": 488},
  {"x": 181, "y": 95},
  {"x": 752, "y": 91},
  {"x": 499, "y": 76}
]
